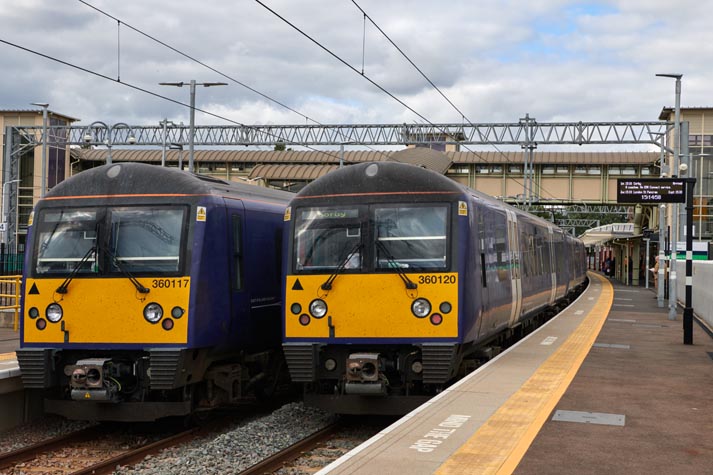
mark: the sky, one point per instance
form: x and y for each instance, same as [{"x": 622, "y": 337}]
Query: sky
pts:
[{"x": 495, "y": 61}]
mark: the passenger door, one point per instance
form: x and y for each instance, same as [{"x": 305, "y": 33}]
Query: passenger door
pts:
[{"x": 515, "y": 275}]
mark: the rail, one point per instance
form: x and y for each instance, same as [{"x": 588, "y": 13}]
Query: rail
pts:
[{"x": 11, "y": 282}]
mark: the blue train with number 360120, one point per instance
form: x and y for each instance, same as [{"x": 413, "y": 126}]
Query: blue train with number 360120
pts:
[
  {"x": 399, "y": 280},
  {"x": 150, "y": 292}
]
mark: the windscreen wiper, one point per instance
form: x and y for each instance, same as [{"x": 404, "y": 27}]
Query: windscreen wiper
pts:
[
  {"x": 395, "y": 265},
  {"x": 62, "y": 289},
  {"x": 328, "y": 283},
  {"x": 115, "y": 260}
]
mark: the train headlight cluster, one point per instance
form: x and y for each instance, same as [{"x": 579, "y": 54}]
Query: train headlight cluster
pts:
[
  {"x": 54, "y": 312},
  {"x": 421, "y": 307},
  {"x": 153, "y": 312},
  {"x": 318, "y": 308}
]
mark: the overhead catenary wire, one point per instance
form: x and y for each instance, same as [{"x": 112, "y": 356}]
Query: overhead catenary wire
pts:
[
  {"x": 211, "y": 68},
  {"x": 154, "y": 94},
  {"x": 462, "y": 114},
  {"x": 371, "y": 81}
]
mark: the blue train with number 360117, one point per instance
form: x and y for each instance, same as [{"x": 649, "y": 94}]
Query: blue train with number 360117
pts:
[
  {"x": 151, "y": 292},
  {"x": 399, "y": 280}
]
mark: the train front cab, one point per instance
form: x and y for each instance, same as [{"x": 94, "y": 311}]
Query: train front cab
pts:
[{"x": 372, "y": 300}]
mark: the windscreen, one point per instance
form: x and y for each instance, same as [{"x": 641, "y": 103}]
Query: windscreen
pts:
[
  {"x": 411, "y": 237},
  {"x": 66, "y": 241},
  {"x": 146, "y": 240},
  {"x": 372, "y": 238},
  {"x": 109, "y": 240},
  {"x": 326, "y": 237}
]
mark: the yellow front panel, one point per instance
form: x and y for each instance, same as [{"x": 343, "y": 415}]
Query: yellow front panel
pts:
[
  {"x": 107, "y": 310},
  {"x": 372, "y": 306}
]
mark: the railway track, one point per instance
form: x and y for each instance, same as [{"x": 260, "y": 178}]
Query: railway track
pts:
[
  {"x": 309, "y": 455},
  {"x": 101, "y": 449},
  {"x": 95, "y": 450}
]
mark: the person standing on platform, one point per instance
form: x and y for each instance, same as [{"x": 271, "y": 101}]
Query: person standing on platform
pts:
[{"x": 655, "y": 270}]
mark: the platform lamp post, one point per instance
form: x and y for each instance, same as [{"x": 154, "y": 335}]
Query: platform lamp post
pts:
[
  {"x": 688, "y": 308},
  {"x": 661, "y": 278},
  {"x": 192, "y": 83},
  {"x": 43, "y": 183},
  {"x": 164, "y": 123},
  {"x": 3, "y": 209},
  {"x": 672, "y": 299},
  {"x": 91, "y": 135}
]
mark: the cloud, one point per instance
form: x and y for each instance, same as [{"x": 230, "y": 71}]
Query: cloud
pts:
[{"x": 495, "y": 60}]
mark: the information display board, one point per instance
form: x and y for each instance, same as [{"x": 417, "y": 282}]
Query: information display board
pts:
[{"x": 651, "y": 190}]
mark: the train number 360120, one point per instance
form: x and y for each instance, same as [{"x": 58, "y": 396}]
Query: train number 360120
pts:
[{"x": 436, "y": 279}]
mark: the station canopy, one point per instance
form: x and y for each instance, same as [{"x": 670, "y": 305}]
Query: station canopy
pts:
[{"x": 608, "y": 232}]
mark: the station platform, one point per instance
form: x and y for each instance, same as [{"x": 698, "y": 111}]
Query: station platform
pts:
[
  {"x": 607, "y": 386},
  {"x": 9, "y": 342}
]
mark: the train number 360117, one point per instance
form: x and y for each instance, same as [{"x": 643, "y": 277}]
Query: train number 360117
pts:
[
  {"x": 436, "y": 279},
  {"x": 169, "y": 283}
]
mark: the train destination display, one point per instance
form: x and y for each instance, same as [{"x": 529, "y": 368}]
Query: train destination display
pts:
[{"x": 651, "y": 190}]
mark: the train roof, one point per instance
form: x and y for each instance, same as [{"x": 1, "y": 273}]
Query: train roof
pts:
[
  {"x": 379, "y": 177},
  {"x": 393, "y": 178},
  {"x": 140, "y": 178}
]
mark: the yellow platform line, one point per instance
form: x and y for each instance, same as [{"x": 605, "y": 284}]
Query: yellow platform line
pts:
[
  {"x": 501, "y": 442},
  {"x": 7, "y": 356}
]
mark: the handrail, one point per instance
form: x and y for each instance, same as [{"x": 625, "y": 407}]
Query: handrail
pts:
[{"x": 16, "y": 280}]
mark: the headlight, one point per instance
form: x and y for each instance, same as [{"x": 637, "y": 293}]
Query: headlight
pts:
[
  {"x": 417, "y": 367},
  {"x": 421, "y": 308},
  {"x": 330, "y": 364},
  {"x": 153, "y": 312},
  {"x": 318, "y": 308},
  {"x": 54, "y": 312}
]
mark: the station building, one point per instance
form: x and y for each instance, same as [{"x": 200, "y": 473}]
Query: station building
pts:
[{"x": 554, "y": 178}]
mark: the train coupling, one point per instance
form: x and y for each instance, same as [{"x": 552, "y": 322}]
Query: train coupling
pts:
[
  {"x": 363, "y": 375},
  {"x": 89, "y": 380}
]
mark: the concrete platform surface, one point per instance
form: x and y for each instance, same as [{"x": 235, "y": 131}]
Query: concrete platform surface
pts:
[
  {"x": 9, "y": 340},
  {"x": 640, "y": 369}
]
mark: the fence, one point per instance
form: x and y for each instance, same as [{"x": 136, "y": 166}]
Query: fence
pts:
[
  {"x": 10, "y": 278},
  {"x": 10, "y": 296},
  {"x": 10, "y": 264}
]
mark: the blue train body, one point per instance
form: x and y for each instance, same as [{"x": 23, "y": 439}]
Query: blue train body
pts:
[
  {"x": 399, "y": 280},
  {"x": 150, "y": 292}
]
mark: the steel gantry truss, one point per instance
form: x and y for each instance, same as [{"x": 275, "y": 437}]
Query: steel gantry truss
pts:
[
  {"x": 546, "y": 133},
  {"x": 528, "y": 133}
]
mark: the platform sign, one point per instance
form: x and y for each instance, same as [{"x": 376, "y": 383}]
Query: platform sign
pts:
[{"x": 650, "y": 190}]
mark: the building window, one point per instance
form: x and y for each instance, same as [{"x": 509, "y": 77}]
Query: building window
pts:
[
  {"x": 698, "y": 140},
  {"x": 440, "y": 146},
  {"x": 489, "y": 169},
  {"x": 459, "y": 170}
]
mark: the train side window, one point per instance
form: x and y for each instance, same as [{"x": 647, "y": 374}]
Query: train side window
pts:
[{"x": 237, "y": 252}]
